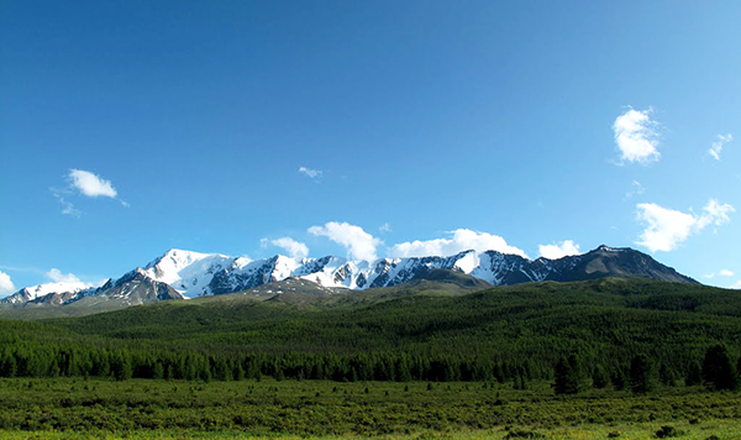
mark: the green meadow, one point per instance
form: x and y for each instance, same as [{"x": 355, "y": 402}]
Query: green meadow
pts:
[{"x": 67, "y": 408}]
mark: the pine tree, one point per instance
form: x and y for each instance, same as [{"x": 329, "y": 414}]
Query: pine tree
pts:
[
  {"x": 566, "y": 374},
  {"x": 666, "y": 375},
  {"x": 121, "y": 366},
  {"x": 599, "y": 377},
  {"x": 718, "y": 370},
  {"x": 641, "y": 374},
  {"x": 694, "y": 374},
  {"x": 158, "y": 371},
  {"x": 618, "y": 379}
]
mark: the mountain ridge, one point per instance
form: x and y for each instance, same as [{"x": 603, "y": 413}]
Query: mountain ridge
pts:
[{"x": 181, "y": 274}]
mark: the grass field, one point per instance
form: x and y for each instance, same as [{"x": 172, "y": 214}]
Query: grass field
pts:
[{"x": 80, "y": 409}]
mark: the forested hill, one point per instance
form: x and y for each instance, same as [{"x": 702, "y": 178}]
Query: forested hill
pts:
[{"x": 501, "y": 330}]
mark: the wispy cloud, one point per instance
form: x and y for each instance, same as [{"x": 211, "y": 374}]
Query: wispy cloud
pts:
[
  {"x": 68, "y": 208},
  {"x": 360, "y": 245},
  {"x": 294, "y": 248},
  {"x": 311, "y": 173},
  {"x": 637, "y": 189},
  {"x": 6, "y": 284},
  {"x": 717, "y": 146},
  {"x": 461, "y": 240},
  {"x": 722, "y": 273},
  {"x": 385, "y": 228},
  {"x": 559, "y": 250},
  {"x": 667, "y": 228},
  {"x": 636, "y": 137}
]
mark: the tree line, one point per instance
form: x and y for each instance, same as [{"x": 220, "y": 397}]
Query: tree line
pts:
[
  {"x": 570, "y": 374},
  {"x": 717, "y": 371}
]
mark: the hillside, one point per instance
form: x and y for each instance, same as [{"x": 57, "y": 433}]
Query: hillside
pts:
[
  {"x": 530, "y": 326},
  {"x": 180, "y": 274}
]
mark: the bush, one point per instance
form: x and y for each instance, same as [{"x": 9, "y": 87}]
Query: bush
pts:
[{"x": 667, "y": 431}]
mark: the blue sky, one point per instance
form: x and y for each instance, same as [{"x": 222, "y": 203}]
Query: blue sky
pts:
[{"x": 131, "y": 127}]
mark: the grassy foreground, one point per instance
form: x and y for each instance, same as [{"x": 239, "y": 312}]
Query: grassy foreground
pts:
[
  {"x": 81, "y": 409},
  {"x": 721, "y": 429}
]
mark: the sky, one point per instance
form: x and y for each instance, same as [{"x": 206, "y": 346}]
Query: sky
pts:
[{"x": 367, "y": 129}]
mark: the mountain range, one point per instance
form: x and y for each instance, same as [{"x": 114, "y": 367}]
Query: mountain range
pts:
[{"x": 180, "y": 274}]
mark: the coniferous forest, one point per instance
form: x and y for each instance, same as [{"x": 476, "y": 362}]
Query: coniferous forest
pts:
[{"x": 613, "y": 338}]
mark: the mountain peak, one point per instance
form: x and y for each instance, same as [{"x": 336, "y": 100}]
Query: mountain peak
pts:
[{"x": 181, "y": 273}]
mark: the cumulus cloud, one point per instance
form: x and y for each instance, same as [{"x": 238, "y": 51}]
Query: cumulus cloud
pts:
[
  {"x": 736, "y": 285},
  {"x": 636, "y": 136},
  {"x": 717, "y": 146},
  {"x": 558, "y": 250},
  {"x": 311, "y": 173},
  {"x": 6, "y": 284},
  {"x": 57, "y": 276},
  {"x": 91, "y": 185},
  {"x": 461, "y": 240},
  {"x": 360, "y": 245},
  {"x": 294, "y": 248},
  {"x": 667, "y": 228}
]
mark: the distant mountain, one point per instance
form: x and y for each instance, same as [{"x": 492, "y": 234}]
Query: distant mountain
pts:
[
  {"x": 39, "y": 292},
  {"x": 182, "y": 274}
]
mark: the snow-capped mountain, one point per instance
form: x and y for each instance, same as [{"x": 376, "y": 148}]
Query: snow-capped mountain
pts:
[
  {"x": 184, "y": 274},
  {"x": 190, "y": 273},
  {"x": 491, "y": 266},
  {"x": 40, "y": 291}
]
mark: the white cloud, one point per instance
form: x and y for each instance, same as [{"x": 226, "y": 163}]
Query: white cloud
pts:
[
  {"x": 667, "y": 228},
  {"x": 87, "y": 184},
  {"x": 294, "y": 248},
  {"x": 715, "y": 214},
  {"x": 722, "y": 273},
  {"x": 6, "y": 284},
  {"x": 360, "y": 245},
  {"x": 636, "y": 137},
  {"x": 57, "y": 276},
  {"x": 559, "y": 250},
  {"x": 385, "y": 228},
  {"x": 264, "y": 243},
  {"x": 68, "y": 208},
  {"x": 311, "y": 173},
  {"x": 462, "y": 240},
  {"x": 717, "y": 146},
  {"x": 91, "y": 185},
  {"x": 736, "y": 285}
]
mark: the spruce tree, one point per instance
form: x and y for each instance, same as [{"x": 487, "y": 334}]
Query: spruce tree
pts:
[
  {"x": 618, "y": 379},
  {"x": 694, "y": 374},
  {"x": 599, "y": 377},
  {"x": 642, "y": 374},
  {"x": 666, "y": 375},
  {"x": 566, "y": 374},
  {"x": 718, "y": 370}
]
